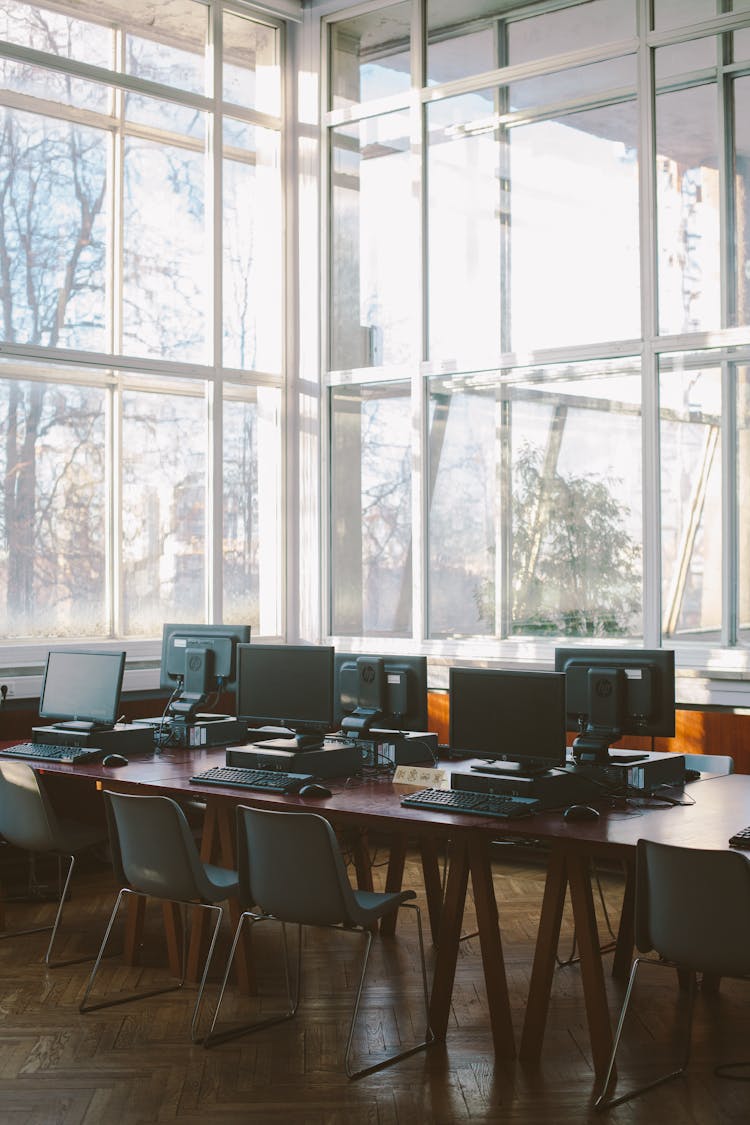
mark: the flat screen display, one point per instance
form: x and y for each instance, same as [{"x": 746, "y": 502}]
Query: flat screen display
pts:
[
  {"x": 83, "y": 686},
  {"x": 291, "y": 685},
  {"x": 508, "y": 714}
]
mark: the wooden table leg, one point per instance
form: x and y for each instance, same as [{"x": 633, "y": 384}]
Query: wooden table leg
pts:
[
  {"x": 491, "y": 945},
  {"x": 362, "y": 863},
  {"x": 393, "y": 882},
  {"x": 448, "y": 939},
  {"x": 545, "y": 952},
  {"x": 625, "y": 934},
  {"x": 135, "y": 910},
  {"x": 433, "y": 884},
  {"x": 175, "y": 937},
  {"x": 592, "y": 973}
]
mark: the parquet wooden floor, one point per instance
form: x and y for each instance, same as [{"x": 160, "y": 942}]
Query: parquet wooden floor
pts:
[{"x": 134, "y": 1064}]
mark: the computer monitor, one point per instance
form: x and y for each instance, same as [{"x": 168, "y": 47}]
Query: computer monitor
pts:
[
  {"x": 287, "y": 685},
  {"x": 199, "y": 661},
  {"x": 81, "y": 690},
  {"x": 612, "y": 692},
  {"x": 516, "y": 718},
  {"x": 389, "y": 692}
]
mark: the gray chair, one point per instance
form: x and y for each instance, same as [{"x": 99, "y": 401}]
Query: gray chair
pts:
[
  {"x": 290, "y": 864},
  {"x": 29, "y": 821},
  {"x": 154, "y": 855},
  {"x": 692, "y": 907}
]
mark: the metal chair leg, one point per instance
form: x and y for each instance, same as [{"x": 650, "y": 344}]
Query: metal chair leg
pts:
[
  {"x": 602, "y": 1102},
  {"x": 428, "y": 1036},
  {"x": 213, "y": 1037},
  {"x": 55, "y": 925}
]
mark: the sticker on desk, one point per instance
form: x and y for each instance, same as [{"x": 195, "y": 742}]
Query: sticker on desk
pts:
[{"x": 422, "y": 776}]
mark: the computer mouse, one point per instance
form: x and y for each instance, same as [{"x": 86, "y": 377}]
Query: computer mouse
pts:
[
  {"x": 114, "y": 760},
  {"x": 581, "y": 812},
  {"x": 313, "y": 789}
]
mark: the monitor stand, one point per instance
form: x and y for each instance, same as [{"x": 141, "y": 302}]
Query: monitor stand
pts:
[{"x": 504, "y": 768}]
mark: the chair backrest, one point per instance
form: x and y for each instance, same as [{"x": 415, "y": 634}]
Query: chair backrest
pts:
[
  {"x": 153, "y": 850},
  {"x": 27, "y": 819},
  {"x": 290, "y": 866},
  {"x": 693, "y": 907},
  {"x": 710, "y": 763}
]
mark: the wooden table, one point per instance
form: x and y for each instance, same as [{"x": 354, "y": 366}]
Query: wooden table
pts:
[{"x": 721, "y": 805}]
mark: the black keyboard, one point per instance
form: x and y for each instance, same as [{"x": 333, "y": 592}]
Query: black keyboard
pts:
[
  {"x": 467, "y": 801},
  {"x": 269, "y": 781},
  {"x": 51, "y": 752},
  {"x": 740, "y": 839}
]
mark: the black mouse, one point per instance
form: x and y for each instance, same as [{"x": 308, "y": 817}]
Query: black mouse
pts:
[
  {"x": 313, "y": 789},
  {"x": 581, "y": 812},
  {"x": 114, "y": 760}
]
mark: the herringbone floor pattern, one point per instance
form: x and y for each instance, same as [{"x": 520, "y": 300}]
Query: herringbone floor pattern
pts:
[{"x": 133, "y": 1065}]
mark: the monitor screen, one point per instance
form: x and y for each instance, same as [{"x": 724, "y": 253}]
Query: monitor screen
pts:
[
  {"x": 287, "y": 685},
  {"x": 611, "y": 692},
  {"x": 200, "y": 659},
  {"x": 508, "y": 715},
  {"x": 82, "y": 687},
  {"x": 389, "y": 692}
]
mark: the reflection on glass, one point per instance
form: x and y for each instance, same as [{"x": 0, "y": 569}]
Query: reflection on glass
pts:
[
  {"x": 742, "y": 196},
  {"x": 53, "y": 178},
  {"x": 165, "y": 274},
  {"x": 371, "y": 516},
  {"x": 52, "y": 520},
  {"x": 570, "y": 29},
  {"x": 370, "y": 55},
  {"x": 373, "y": 233},
  {"x": 453, "y": 54},
  {"x": 536, "y": 498},
  {"x": 741, "y": 40},
  {"x": 163, "y": 510},
  {"x": 690, "y": 441},
  {"x": 23, "y": 78},
  {"x": 253, "y": 258},
  {"x": 252, "y": 72},
  {"x": 688, "y": 210},
  {"x": 251, "y": 552},
  {"x": 682, "y": 58},
  {"x": 675, "y": 13},
  {"x": 578, "y": 82},
  {"x": 44, "y": 29},
  {"x": 168, "y": 44},
  {"x": 169, "y": 116}
]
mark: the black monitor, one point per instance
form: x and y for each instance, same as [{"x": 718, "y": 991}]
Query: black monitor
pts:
[
  {"x": 199, "y": 661},
  {"x": 612, "y": 692},
  {"x": 516, "y": 718},
  {"x": 81, "y": 690},
  {"x": 389, "y": 692},
  {"x": 287, "y": 685}
]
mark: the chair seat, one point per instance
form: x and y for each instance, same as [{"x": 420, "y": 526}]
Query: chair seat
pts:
[
  {"x": 224, "y": 880},
  {"x": 374, "y": 904}
]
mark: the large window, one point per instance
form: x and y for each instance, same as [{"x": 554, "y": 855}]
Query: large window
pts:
[
  {"x": 141, "y": 317},
  {"x": 538, "y": 348}
]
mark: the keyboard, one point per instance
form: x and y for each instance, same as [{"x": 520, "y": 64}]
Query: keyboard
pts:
[
  {"x": 241, "y": 777},
  {"x": 740, "y": 839},
  {"x": 467, "y": 801},
  {"x": 51, "y": 752}
]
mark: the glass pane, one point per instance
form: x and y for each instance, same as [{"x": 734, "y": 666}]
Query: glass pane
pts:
[
  {"x": 252, "y": 72},
  {"x": 164, "y": 440},
  {"x": 165, "y": 288},
  {"x": 576, "y": 502},
  {"x": 741, "y": 41},
  {"x": 23, "y": 78},
  {"x": 53, "y": 224},
  {"x": 742, "y": 375},
  {"x": 43, "y": 29},
  {"x": 570, "y": 29},
  {"x": 370, "y": 55},
  {"x": 742, "y": 196},
  {"x": 52, "y": 520},
  {"x": 691, "y": 507},
  {"x": 252, "y": 558},
  {"x": 167, "y": 116},
  {"x": 579, "y": 82},
  {"x": 467, "y": 219},
  {"x": 675, "y": 13},
  {"x": 252, "y": 241},
  {"x": 574, "y": 266},
  {"x": 371, "y": 516},
  {"x": 168, "y": 43},
  {"x": 452, "y": 53},
  {"x": 682, "y": 58},
  {"x": 373, "y": 266},
  {"x": 688, "y": 210}
]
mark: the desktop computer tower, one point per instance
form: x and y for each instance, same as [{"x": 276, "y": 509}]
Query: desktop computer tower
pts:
[
  {"x": 332, "y": 760},
  {"x": 554, "y": 789},
  {"x": 122, "y": 738},
  {"x": 390, "y": 748}
]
